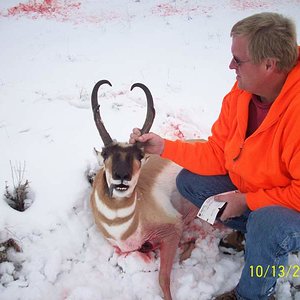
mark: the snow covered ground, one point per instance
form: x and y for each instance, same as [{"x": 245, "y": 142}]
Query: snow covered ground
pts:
[{"x": 52, "y": 54}]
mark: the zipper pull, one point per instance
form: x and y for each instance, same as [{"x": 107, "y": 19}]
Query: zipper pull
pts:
[{"x": 239, "y": 154}]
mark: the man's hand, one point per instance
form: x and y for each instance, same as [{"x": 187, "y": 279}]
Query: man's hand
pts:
[
  {"x": 153, "y": 143},
  {"x": 236, "y": 205}
]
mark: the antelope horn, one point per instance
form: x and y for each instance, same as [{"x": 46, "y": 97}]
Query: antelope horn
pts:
[
  {"x": 107, "y": 140},
  {"x": 150, "y": 108}
]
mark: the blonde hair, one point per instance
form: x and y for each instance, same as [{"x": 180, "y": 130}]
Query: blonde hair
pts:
[{"x": 270, "y": 35}]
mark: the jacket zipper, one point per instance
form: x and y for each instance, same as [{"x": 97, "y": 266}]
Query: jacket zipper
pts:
[{"x": 240, "y": 152}]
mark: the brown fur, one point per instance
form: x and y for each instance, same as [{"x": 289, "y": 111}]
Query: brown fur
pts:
[
  {"x": 155, "y": 219},
  {"x": 152, "y": 168}
]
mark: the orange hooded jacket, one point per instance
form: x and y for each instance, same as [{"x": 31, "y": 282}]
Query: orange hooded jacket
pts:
[{"x": 265, "y": 165}]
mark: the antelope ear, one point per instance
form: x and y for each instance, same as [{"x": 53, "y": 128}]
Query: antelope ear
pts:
[
  {"x": 145, "y": 159},
  {"x": 99, "y": 157}
]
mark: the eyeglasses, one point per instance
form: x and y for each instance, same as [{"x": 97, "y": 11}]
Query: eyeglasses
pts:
[{"x": 239, "y": 62}]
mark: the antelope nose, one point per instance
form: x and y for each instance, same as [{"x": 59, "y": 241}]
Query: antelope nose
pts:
[{"x": 122, "y": 176}]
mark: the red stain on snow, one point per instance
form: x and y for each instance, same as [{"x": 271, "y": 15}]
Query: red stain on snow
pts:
[
  {"x": 177, "y": 132},
  {"x": 167, "y": 9},
  {"x": 45, "y": 8},
  {"x": 147, "y": 257},
  {"x": 253, "y": 4},
  {"x": 60, "y": 10}
]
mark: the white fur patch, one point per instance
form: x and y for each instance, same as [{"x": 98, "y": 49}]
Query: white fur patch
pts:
[
  {"x": 111, "y": 214},
  {"x": 165, "y": 188},
  {"x": 116, "y": 231}
]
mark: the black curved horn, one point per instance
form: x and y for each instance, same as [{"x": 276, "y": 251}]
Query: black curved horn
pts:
[
  {"x": 107, "y": 140},
  {"x": 150, "y": 108}
]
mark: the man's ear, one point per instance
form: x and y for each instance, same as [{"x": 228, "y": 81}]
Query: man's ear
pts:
[
  {"x": 271, "y": 64},
  {"x": 99, "y": 157}
]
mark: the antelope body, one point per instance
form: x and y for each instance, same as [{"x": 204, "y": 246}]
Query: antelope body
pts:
[{"x": 134, "y": 199}]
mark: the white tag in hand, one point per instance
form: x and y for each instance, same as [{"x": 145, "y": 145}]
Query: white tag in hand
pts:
[{"x": 210, "y": 209}]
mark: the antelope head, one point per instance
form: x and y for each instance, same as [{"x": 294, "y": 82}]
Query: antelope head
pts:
[{"x": 122, "y": 161}]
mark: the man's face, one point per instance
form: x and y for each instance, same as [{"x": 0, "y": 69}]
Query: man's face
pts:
[{"x": 250, "y": 76}]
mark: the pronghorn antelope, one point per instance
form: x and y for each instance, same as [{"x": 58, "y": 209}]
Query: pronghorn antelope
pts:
[{"x": 134, "y": 199}]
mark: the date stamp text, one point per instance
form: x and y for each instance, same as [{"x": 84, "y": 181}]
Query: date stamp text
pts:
[{"x": 280, "y": 271}]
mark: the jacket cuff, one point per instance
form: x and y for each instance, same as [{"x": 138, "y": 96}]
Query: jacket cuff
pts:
[{"x": 169, "y": 149}]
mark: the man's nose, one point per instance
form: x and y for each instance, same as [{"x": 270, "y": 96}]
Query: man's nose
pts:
[{"x": 232, "y": 64}]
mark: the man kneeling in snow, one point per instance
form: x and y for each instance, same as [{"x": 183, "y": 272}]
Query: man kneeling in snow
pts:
[{"x": 254, "y": 149}]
